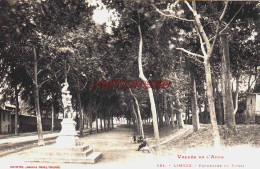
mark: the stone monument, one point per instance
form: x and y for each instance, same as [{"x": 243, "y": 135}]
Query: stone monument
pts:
[
  {"x": 68, "y": 148},
  {"x": 68, "y": 135}
]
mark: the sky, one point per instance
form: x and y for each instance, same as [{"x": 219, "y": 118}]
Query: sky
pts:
[{"x": 103, "y": 15}]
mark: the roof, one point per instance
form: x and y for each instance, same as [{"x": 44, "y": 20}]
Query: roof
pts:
[
  {"x": 9, "y": 105},
  {"x": 253, "y": 93}
]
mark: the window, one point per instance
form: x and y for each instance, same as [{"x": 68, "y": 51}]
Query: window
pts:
[
  {"x": 9, "y": 115},
  {"x": 3, "y": 116}
]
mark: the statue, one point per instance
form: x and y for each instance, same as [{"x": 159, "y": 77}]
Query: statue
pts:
[{"x": 66, "y": 100}]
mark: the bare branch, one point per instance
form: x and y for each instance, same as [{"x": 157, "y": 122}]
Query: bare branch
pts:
[
  {"x": 170, "y": 15},
  {"x": 198, "y": 23},
  {"x": 46, "y": 80},
  {"x": 84, "y": 86},
  {"x": 132, "y": 93},
  {"x": 232, "y": 18},
  {"x": 201, "y": 44},
  {"x": 224, "y": 11},
  {"x": 40, "y": 71},
  {"x": 175, "y": 3},
  {"x": 38, "y": 60},
  {"x": 188, "y": 5},
  {"x": 80, "y": 72},
  {"x": 190, "y": 53},
  {"x": 196, "y": 59},
  {"x": 55, "y": 75},
  {"x": 228, "y": 22},
  {"x": 217, "y": 29},
  {"x": 133, "y": 20}
]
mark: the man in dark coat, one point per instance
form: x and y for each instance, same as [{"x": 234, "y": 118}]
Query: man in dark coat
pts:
[{"x": 143, "y": 144}]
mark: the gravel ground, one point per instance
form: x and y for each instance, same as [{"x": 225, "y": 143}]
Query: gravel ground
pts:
[
  {"x": 240, "y": 150},
  {"x": 246, "y": 135}
]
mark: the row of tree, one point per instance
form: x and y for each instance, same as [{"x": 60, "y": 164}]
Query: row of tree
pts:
[{"x": 45, "y": 42}]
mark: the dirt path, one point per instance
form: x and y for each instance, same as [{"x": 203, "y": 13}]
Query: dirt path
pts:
[
  {"x": 118, "y": 152},
  {"x": 115, "y": 145}
]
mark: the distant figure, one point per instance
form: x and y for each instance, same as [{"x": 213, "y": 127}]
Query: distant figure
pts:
[
  {"x": 134, "y": 138},
  {"x": 140, "y": 139},
  {"x": 144, "y": 143}
]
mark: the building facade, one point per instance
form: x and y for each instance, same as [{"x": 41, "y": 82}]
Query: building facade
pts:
[
  {"x": 5, "y": 118},
  {"x": 253, "y": 108}
]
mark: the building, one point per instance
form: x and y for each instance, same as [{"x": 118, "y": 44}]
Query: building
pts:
[
  {"x": 5, "y": 118},
  {"x": 253, "y": 108}
]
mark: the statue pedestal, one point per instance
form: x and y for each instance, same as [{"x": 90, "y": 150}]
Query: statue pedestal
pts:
[
  {"x": 68, "y": 148},
  {"x": 68, "y": 135}
]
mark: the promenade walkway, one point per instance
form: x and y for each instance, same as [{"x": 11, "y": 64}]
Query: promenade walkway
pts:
[{"x": 115, "y": 145}]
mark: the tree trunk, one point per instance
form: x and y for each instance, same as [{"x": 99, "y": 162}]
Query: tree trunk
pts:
[
  {"x": 112, "y": 122},
  {"x": 135, "y": 118},
  {"x": 87, "y": 123},
  {"x": 135, "y": 125},
  {"x": 177, "y": 104},
  {"x": 200, "y": 114},
  {"x": 96, "y": 115},
  {"x": 52, "y": 116},
  {"x": 179, "y": 114},
  {"x": 161, "y": 110},
  {"x": 206, "y": 56},
  {"x": 37, "y": 102},
  {"x": 80, "y": 114},
  {"x": 16, "y": 117},
  {"x": 206, "y": 116},
  {"x": 108, "y": 118},
  {"x": 150, "y": 91},
  {"x": 160, "y": 118},
  {"x": 101, "y": 127},
  {"x": 90, "y": 123},
  {"x": 172, "y": 113},
  {"x": 195, "y": 115},
  {"x": 108, "y": 122},
  {"x": 211, "y": 103},
  {"x": 167, "y": 120},
  {"x": 104, "y": 120},
  {"x": 236, "y": 94},
  {"x": 187, "y": 114},
  {"x": 173, "y": 121},
  {"x": 139, "y": 118},
  {"x": 226, "y": 84},
  {"x": 249, "y": 83},
  {"x": 220, "y": 112},
  {"x": 140, "y": 122}
]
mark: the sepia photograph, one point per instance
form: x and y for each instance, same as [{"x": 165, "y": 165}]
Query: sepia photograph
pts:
[{"x": 129, "y": 84}]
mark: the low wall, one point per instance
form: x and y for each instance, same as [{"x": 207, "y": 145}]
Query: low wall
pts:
[{"x": 29, "y": 124}]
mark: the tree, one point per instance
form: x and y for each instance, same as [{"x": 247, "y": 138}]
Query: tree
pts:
[
  {"x": 207, "y": 53},
  {"x": 31, "y": 26},
  {"x": 195, "y": 115},
  {"x": 150, "y": 91},
  {"x": 178, "y": 107},
  {"x": 140, "y": 121},
  {"x": 226, "y": 85}
]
